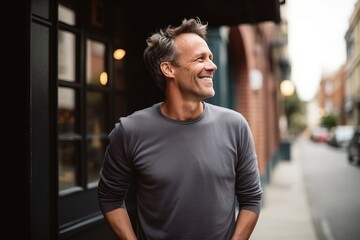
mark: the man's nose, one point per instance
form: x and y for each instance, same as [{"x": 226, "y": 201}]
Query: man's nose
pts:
[{"x": 211, "y": 66}]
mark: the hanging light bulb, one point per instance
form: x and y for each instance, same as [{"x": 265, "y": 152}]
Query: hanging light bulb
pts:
[{"x": 119, "y": 54}]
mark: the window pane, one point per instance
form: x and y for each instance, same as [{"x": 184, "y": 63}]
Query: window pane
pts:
[
  {"x": 68, "y": 154},
  {"x": 95, "y": 113},
  {"x": 66, "y": 15},
  {"x": 66, "y": 56},
  {"x": 120, "y": 107},
  {"x": 67, "y": 120},
  {"x": 95, "y": 155},
  {"x": 95, "y": 63},
  {"x": 96, "y": 132},
  {"x": 119, "y": 73}
]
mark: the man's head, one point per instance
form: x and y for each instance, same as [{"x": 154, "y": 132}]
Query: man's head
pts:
[{"x": 161, "y": 47}]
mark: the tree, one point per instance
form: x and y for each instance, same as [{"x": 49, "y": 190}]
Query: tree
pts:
[
  {"x": 294, "y": 112},
  {"x": 328, "y": 121}
]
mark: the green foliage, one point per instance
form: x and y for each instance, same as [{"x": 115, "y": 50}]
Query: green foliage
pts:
[
  {"x": 328, "y": 121},
  {"x": 295, "y": 113},
  {"x": 298, "y": 121}
]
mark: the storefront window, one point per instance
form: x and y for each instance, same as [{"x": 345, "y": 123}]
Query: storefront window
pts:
[
  {"x": 66, "y": 15},
  {"x": 95, "y": 63},
  {"x": 66, "y": 56},
  {"x": 69, "y": 138},
  {"x": 96, "y": 133}
]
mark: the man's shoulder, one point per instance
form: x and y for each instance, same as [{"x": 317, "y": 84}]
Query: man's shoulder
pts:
[
  {"x": 223, "y": 111},
  {"x": 141, "y": 116}
]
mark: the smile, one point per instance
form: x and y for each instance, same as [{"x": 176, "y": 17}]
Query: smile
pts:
[{"x": 207, "y": 79}]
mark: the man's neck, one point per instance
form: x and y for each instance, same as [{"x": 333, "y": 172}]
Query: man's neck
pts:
[{"x": 182, "y": 111}]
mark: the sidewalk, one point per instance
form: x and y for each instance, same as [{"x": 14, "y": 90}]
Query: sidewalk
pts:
[{"x": 285, "y": 214}]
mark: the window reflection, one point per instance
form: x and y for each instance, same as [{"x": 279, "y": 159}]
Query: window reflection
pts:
[
  {"x": 68, "y": 155},
  {"x": 66, "y": 56},
  {"x": 95, "y": 112},
  {"x": 95, "y": 154},
  {"x": 69, "y": 140},
  {"x": 66, "y": 15},
  {"x": 95, "y": 61},
  {"x": 96, "y": 132},
  {"x": 66, "y": 111}
]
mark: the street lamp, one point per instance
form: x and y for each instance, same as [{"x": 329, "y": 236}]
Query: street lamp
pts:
[{"x": 287, "y": 88}]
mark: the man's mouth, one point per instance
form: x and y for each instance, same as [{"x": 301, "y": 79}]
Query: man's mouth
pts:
[{"x": 207, "y": 79}]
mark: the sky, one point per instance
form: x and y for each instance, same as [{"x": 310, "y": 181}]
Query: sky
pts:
[{"x": 316, "y": 40}]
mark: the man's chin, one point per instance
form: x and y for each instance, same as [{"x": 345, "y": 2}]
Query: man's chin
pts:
[{"x": 210, "y": 95}]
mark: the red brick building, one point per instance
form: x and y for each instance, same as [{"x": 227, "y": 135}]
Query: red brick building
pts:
[{"x": 331, "y": 94}]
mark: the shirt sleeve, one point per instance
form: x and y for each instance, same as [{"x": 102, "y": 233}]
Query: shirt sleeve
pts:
[
  {"x": 248, "y": 185},
  {"x": 116, "y": 172}
]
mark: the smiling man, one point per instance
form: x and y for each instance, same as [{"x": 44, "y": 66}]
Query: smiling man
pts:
[{"x": 192, "y": 161}]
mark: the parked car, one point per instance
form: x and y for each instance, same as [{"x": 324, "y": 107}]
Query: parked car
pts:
[
  {"x": 319, "y": 134},
  {"x": 341, "y": 135},
  {"x": 353, "y": 149}
]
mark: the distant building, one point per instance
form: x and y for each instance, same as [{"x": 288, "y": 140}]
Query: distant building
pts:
[
  {"x": 331, "y": 94},
  {"x": 352, "y": 90}
]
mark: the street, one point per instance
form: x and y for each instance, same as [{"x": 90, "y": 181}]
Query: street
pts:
[{"x": 333, "y": 189}]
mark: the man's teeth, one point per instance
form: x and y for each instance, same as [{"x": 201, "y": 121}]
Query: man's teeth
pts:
[{"x": 207, "y": 78}]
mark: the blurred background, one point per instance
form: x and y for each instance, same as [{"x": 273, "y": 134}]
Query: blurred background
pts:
[{"x": 292, "y": 68}]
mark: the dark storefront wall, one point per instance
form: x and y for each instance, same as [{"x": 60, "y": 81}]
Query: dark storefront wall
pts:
[
  {"x": 215, "y": 12},
  {"x": 38, "y": 195}
]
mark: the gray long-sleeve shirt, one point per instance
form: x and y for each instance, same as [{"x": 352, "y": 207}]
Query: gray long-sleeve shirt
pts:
[{"x": 188, "y": 174}]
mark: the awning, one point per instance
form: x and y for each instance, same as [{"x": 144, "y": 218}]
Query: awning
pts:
[{"x": 215, "y": 12}]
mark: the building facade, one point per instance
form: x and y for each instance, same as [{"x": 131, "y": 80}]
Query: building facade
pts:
[
  {"x": 339, "y": 91},
  {"x": 331, "y": 95},
  {"x": 79, "y": 68},
  {"x": 352, "y": 91}
]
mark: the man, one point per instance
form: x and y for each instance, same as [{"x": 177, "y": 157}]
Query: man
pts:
[{"x": 191, "y": 160}]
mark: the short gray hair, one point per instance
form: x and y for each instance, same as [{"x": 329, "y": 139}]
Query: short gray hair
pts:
[{"x": 161, "y": 47}]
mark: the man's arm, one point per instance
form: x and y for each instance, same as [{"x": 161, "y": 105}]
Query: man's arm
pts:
[
  {"x": 120, "y": 223},
  {"x": 245, "y": 224}
]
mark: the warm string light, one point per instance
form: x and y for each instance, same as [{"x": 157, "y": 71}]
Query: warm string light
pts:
[
  {"x": 119, "y": 54},
  {"x": 103, "y": 78}
]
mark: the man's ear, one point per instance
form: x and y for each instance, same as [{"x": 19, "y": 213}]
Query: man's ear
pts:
[{"x": 166, "y": 69}]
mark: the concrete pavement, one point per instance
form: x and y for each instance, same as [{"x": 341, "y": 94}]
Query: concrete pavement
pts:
[{"x": 285, "y": 214}]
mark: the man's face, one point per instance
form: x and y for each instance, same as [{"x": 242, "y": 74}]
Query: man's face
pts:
[{"x": 195, "y": 70}]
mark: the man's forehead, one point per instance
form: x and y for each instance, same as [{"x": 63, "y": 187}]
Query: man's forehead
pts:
[
  {"x": 190, "y": 41},
  {"x": 189, "y": 38}
]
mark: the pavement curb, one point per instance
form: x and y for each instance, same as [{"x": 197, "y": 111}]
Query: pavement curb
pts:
[{"x": 285, "y": 214}]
